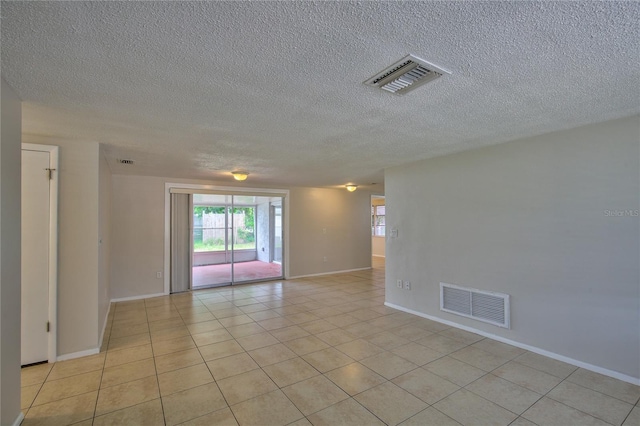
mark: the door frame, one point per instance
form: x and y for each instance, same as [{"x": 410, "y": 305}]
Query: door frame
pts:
[
  {"x": 53, "y": 244},
  {"x": 374, "y": 197},
  {"x": 200, "y": 188}
]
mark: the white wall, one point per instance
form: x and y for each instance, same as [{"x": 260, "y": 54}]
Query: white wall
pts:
[
  {"x": 529, "y": 218},
  {"x": 104, "y": 240},
  {"x": 331, "y": 223},
  {"x": 78, "y": 228},
  {"x": 137, "y": 244},
  {"x": 10, "y": 154},
  {"x": 137, "y": 235}
]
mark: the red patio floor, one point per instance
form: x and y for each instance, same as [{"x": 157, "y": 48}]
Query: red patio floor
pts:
[{"x": 243, "y": 271}]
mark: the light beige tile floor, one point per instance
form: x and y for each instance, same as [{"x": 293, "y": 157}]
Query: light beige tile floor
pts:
[{"x": 321, "y": 351}]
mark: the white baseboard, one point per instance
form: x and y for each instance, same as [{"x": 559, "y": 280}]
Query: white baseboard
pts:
[
  {"x": 553, "y": 355},
  {"x": 143, "y": 296},
  {"x": 74, "y": 355},
  {"x": 18, "y": 419},
  {"x": 329, "y": 273}
]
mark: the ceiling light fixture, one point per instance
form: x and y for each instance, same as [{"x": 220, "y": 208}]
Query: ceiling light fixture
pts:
[
  {"x": 351, "y": 187},
  {"x": 238, "y": 175}
]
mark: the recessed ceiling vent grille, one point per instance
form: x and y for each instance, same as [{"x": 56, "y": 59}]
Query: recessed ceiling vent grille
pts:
[
  {"x": 471, "y": 303},
  {"x": 124, "y": 161},
  {"x": 405, "y": 75}
]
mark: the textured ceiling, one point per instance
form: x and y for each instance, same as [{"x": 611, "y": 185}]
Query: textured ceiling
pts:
[{"x": 197, "y": 89}]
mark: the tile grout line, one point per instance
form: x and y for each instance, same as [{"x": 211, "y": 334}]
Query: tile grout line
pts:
[
  {"x": 104, "y": 362},
  {"x": 319, "y": 297},
  {"x": 546, "y": 395},
  {"x": 37, "y": 393},
  {"x": 155, "y": 366},
  {"x": 633, "y": 404},
  {"x": 281, "y": 388}
]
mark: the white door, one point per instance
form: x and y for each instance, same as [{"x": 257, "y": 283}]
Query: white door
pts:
[{"x": 35, "y": 256}]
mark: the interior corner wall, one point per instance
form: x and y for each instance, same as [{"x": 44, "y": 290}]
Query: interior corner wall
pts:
[
  {"x": 10, "y": 240},
  {"x": 330, "y": 230},
  {"x": 104, "y": 240},
  {"x": 551, "y": 220},
  {"x": 78, "y": 228},
  {"x": 137, "y": 237}
]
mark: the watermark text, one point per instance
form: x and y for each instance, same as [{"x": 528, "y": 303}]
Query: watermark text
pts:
[{"x": 622, "y": 213}]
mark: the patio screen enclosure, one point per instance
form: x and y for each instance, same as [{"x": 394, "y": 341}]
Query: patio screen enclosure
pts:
[{"x": 224, "y": 238}]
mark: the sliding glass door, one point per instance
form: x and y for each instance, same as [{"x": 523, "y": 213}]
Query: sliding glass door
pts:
[{"x": 235, "y": 239}]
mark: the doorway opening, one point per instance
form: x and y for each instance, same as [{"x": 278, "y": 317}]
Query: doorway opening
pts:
[
  {"x": 224, "y": 237},
  {"x": 236, "y": 238},
  {"x": 378, "y": 228}
]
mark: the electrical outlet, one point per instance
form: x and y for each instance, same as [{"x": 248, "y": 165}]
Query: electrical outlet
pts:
[
  {"x": 399, "y": 283},
  {"x": 407, "y": 285},
  {"x": 324, "y": 259},
  {"x": 159, "y": 274}
]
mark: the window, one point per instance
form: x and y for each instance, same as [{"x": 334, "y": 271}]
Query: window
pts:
[
  {"x": 377, "y": 221},
  {"x": 245, "y": 228},
  {"x": 212, "y": 228}
]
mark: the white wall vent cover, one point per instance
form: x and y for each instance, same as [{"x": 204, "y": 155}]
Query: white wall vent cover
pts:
[
  {"x": 477, "y": 304},
  {"x": 405, "y": 75}
]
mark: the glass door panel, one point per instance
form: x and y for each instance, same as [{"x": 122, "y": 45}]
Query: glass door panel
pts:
[
  {"x": 236, "y": 239},
  {"x": 211, "y": 266},
  {"x": 255, "y": 254}
]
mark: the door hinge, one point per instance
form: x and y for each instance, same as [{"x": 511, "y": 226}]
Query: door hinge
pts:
[
  {"x": 48, "y": 326},
  {"x": 50, "y": 175}
]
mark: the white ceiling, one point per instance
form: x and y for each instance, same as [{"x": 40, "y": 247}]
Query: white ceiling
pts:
[{"x": 197, "y": 89}]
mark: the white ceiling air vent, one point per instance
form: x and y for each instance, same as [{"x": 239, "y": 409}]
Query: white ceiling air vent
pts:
[
  {"x": 124, "y": 161},
  {"x": 405, "y": 75}
]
